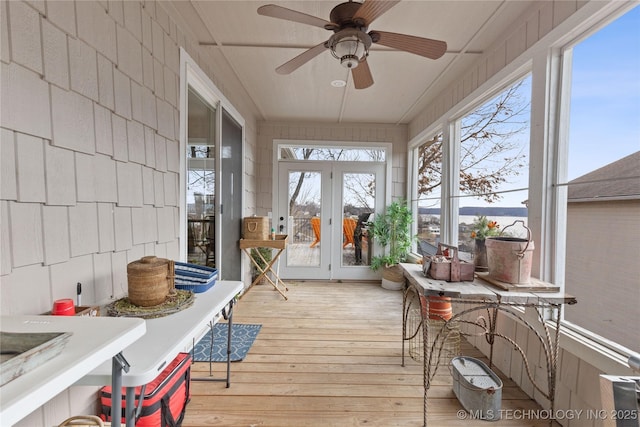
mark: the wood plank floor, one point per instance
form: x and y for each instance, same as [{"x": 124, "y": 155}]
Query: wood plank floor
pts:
[{"x": 330, "y": 356}]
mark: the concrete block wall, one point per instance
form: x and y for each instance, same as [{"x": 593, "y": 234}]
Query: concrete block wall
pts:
[{"x": 89, "y": 153}]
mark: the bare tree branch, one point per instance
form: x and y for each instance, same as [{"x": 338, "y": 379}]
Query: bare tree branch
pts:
[{"x": 490, "y": 152}]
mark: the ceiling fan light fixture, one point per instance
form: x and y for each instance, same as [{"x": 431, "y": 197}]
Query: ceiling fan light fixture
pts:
[{"x": 350, "y": 46}]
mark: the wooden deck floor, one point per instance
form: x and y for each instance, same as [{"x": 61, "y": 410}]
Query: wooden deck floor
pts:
[{"x": 330, "y": 356}]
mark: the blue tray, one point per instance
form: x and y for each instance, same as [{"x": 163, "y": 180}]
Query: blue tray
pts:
[
  {"x": 195, "y": 287},
  {"x": 193, "y": 277},
  {"x": 195, "y": 272}
]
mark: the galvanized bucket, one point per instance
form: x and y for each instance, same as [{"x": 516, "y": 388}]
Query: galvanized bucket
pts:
[
  {"x": 510, "y": 258},
  {"x": 477, "y": 387}
]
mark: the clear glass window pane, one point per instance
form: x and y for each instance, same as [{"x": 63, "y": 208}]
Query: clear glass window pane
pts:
[
  {"x": 603, "y": 209},
  {"x": 358, "y": 205},
  {"x": 335, "y": 154},
  {"x": 494, "y": 167},
  {"x": 305, "y": 190},
  {"x": 201, "y": 176},
  {"x": 429, "y": 190}
]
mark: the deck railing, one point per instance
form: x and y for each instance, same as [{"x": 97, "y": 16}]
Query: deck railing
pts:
[{"x": 301, "y": 230}]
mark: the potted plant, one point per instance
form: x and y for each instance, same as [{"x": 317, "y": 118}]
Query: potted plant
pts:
[
  {"x": 480, "y": 230},
  {"x": 392, "y": 231}
]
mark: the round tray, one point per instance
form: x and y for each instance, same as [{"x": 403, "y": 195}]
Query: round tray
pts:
[{"x": 175, "y": 302}]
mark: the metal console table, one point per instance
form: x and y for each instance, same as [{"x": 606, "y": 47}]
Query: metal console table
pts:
[{"x": 484, "y": 297}]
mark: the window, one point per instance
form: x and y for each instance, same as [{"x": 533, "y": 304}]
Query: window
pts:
[
  {"x": 603, "y": 183},
  {"x": 429, "y": 159},
  {"x": 493, "y": 168},
  {"x": 201, "y": 175},
  {"x": 494, "y": 163},
  {"x": 334, "y": 154}
]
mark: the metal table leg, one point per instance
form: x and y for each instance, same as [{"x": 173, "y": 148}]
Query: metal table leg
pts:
[
  {"x": 228, "y": 315},
  {"x": 118, "y": 364}
]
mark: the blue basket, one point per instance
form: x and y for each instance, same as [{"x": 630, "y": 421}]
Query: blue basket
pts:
[{"x": 193, "y": 277}]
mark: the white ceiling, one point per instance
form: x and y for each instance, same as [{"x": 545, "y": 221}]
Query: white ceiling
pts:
[{"x": 254, "y": 45}]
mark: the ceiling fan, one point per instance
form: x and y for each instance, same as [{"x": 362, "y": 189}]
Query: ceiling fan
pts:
[{"x": 350, "y": 41}]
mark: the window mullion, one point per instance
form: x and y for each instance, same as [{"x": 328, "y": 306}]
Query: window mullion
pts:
[{"x": 450, "y": 182}]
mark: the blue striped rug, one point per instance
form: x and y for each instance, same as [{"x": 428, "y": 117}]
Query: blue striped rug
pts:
[{"x": 242, "y": 338}]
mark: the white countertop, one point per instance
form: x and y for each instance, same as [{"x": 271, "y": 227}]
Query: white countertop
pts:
[
  {"x": 167, "y": 336},
  {"x": 94, "y": 340}
]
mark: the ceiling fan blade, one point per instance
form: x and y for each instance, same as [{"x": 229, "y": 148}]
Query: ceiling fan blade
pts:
[
  {"x": 298, "y": 61},
  {"x": 362, "y": 77},
  {"x": 372, "y": 9},
  {"x": 428, "y": 48},
  {"x": 280, "y": 12}
]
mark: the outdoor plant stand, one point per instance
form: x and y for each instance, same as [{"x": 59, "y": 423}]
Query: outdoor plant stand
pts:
[
  {"x": 279, "y": 243},
  {"x": 480, "y": 296}
]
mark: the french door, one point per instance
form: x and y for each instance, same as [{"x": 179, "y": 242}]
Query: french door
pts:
[{"x": 324, "y": 207}]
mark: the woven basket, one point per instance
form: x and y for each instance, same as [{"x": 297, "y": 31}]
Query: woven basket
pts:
[
  {"x": 85, "y": 421},
  {"x": 150, "y": 280},
  {"x": 255, "y": 228},
  {"x": 393, "y": 273}
]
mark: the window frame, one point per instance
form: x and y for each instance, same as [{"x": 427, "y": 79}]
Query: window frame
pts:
[
  {"x": 550, "y": 67},
  {"x": 450, "y": 127},
  {"x": 561, "y": 61}
]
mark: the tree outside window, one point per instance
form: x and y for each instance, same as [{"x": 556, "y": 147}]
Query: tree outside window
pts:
[{"x": 494, "y": 149}]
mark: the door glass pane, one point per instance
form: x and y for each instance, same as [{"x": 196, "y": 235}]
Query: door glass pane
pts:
[
  {"x": 358, "y": 203},
  {"x": 304, "y": 219},
  {"x": 200, "y": 182}
]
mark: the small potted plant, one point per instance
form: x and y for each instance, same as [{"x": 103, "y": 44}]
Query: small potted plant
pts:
[
  {"x": 392, "y": 230},
  {"x": 481, "y": 229}
]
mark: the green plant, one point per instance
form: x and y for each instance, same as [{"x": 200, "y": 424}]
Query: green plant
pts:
[
  {"x": 392, "y": 229},
  {"x": 266, "y": 254},
  {"x": 483, "y": 228}
]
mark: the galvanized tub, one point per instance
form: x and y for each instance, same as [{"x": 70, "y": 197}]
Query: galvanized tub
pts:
[
  {"x": 510, "y": 258},
  {"x": 477, "y": 387}
]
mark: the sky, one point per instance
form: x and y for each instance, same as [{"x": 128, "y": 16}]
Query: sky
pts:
[
  {"x": 605, "y": 98},
  {"x": 605, "y": 103}
]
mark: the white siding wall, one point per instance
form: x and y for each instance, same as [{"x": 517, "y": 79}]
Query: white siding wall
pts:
[{"x": 90, "y": 153}]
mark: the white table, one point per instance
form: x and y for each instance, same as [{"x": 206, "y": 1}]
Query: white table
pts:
[
  {"x": 94, "y": 340},
  {"x": 165, "y": 338}
]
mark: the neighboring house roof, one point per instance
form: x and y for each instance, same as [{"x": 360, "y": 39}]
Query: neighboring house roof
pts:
[{"x": 619, "y": 180}]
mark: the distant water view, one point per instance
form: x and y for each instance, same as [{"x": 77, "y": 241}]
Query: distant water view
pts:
[{"x": 503, "y": 221}]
